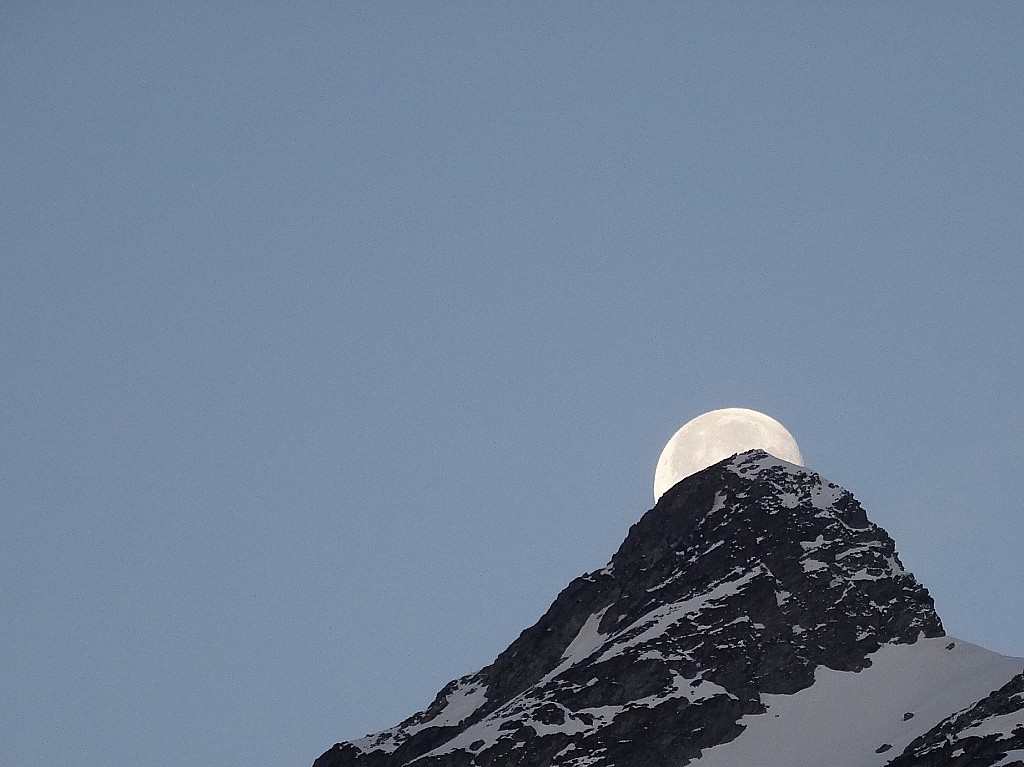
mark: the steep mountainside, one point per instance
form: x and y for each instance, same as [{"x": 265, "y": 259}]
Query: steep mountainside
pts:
[{"x": 754, "y": 611}]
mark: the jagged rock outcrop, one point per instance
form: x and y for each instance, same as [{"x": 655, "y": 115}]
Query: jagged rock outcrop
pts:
[
  {"x": 989, "y": 733},
  {"x": 744, "y": 582}
]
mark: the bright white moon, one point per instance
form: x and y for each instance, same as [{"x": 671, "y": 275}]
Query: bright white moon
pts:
[{"x": 714, "y": 436}]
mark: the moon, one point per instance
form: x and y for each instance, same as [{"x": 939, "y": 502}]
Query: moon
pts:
[{"x": 714, "y": 436}]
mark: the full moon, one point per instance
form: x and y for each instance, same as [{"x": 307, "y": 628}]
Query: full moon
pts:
[{"x": 714, "y": 436}]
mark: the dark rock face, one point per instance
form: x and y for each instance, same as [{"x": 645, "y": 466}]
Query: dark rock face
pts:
[
  {"x": 981, "y": 736},
  {"x": 741, "y": 581}
]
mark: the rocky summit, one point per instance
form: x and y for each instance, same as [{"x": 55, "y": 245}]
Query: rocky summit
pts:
[{"x": 754, "y": 616}]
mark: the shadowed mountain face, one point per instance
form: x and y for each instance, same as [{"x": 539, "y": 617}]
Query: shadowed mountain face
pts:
[{"x": 746, "y": 582}]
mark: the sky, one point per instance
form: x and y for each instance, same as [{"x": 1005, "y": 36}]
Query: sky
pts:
[{"x": 337, "y": 338}]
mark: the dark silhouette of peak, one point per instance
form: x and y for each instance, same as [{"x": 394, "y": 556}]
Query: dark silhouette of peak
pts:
[{"x": 749, "y": 580}]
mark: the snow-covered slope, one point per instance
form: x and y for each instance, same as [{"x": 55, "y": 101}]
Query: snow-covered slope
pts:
[
  {"x": 864, "y": 719},
  {"x": 755, "y": 616}
]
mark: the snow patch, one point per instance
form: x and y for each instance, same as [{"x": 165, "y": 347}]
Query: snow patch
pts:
[
  {"x": 1010, "y": 758},
  {"x": 583, "y": 645},
  {"x": 817, "y": 543}
]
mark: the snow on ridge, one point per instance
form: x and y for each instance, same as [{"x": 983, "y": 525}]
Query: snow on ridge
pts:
[
  {"x": 460, "y": 703},
  {"x": 386, "y": 741},
  {"x": 488, "y": 731},
  {"x": 753, "y": 462},
  {"x": 794, "y": 485},
  {"x": 812, "y": 489}
]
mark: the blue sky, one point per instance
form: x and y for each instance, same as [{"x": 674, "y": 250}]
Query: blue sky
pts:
[{"x": 336, "y": 339}]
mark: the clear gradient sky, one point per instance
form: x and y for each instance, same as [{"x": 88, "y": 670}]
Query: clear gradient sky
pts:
[{"x": 335, "y": 339}]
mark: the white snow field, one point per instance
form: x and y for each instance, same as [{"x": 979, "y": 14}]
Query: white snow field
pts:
[{"x": 844, "y": 718}]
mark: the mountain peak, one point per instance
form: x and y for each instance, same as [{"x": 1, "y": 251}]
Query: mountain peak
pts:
[{"x": 743, "y": 582}]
